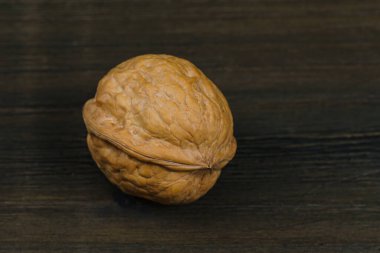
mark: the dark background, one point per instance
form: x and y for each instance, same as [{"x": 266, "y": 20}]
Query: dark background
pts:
[{"x": 303, "y": 82}]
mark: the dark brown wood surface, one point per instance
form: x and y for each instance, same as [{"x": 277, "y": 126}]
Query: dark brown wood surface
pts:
[{"x": 303, "y": 82}]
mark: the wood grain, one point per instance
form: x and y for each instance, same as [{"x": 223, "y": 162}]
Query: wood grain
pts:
[{"x": 302, "y": 79}]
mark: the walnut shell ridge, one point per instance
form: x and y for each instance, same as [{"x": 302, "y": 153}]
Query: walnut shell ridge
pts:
[{"x": 160, "y": 114}]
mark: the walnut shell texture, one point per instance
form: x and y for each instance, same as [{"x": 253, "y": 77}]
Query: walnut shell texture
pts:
[{"x": 158, "y": 128}]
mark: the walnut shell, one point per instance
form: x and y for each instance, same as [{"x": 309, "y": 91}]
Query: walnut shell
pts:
[{"x": 158, "y": 128}]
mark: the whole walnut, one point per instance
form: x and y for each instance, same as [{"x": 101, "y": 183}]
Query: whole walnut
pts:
[{"x": 158, "y": 128}]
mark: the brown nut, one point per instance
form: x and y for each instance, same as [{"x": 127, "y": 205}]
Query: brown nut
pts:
[{"x": 158, "y": 128}]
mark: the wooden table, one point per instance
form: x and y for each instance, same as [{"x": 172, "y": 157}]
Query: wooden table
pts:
[{"x": 303, "y": 82}]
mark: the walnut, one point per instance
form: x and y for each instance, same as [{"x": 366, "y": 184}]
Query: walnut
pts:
[{"x": 158, "y": 128}]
